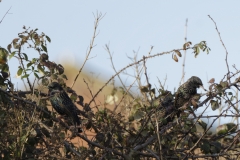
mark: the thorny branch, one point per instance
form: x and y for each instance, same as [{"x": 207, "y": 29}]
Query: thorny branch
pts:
[
  {"x": 155, "y": 135},
  {"x": 5, "y": 14},
  {"x": 184, "y": 57},
  {"x": 111, "y": 59},
  {"x": 98, "y": 17},
  {"x": 226, "y": 58},
  {"x": 130, "y": 65}
]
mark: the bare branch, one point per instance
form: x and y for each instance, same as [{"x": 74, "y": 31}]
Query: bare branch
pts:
[
  {"x": 184, "y": 57},
  {"x": 5, "y": 14},
  {"x": 98, "y": 17},
  {"x": 226, "y": 58},
  {"x": 130, "y": 65}
]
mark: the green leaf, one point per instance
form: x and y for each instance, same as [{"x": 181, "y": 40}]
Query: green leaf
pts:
[
  {"x": 73, "y": 97},
  {"x": 19, "y": 72},
  {"x": 40, "y": 69},
  {"x": 25, "y": 56},
  {"x": 44, "y": 48},
  {"x": 36, "y": 75},
  {"x": 214, "y": 105},
  {"x": 138, "y": 115},
  {"x": 29, "y": 64},
  {"x": 34, "y": 60},
  {"x": 25, "y": 76},
  {"x": 64, "y": 76},
  {"x": 197, "y": 52},
  {"x": 219, "y": 87},
  {"x": 21, "y": 36},
  {"x": 205, "y": 146},
  {"x": 131, "y": 118},
  {"x": 5, "y": 67},
  {"x": 232, "y": 127},
  {"x": 224, "y": 84},
  {"x": 12, "y": 54},
  {"x": 37, "y": 41},
  {"x": 208, "y": 50},
  {"x": 48, "y": 39},
  {"x": 222, "y": 129},
  {"x": 202, "y": 124},
  {"x": 216, "y": 147}
]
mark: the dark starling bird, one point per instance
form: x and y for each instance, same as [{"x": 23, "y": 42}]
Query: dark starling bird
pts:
[
  {"x": 186, "y": 91},
  {"x": 165, "y": 110},
  {"x": 62, "y": 103}
]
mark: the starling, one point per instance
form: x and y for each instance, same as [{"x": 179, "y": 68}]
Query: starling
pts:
[
  {"x": 62, "y": 103},
  {"x": 186, "y": 91},
  {"x": 165, "y": 109}
]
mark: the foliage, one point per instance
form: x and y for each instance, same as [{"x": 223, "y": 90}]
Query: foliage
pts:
[{"x": 139, "y": 126}]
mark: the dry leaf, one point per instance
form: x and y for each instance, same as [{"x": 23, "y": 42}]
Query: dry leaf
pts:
[
  {"x": 212, "y": 80},
  {"x": 175, "y": 58},
  {"x": 178, "y": 53}
]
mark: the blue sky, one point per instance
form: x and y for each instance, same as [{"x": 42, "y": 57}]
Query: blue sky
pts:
[{"x": 132, "y": 25}]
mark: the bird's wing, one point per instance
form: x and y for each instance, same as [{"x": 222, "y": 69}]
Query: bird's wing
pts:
[
  {"x": 69, "y": 106},
  {"x": 66, "y": 103}
]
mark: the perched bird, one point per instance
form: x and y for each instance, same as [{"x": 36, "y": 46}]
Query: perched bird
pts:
[
  {"x": 62, "y": 103},
  {"x": 186, "y": 91},
  {"x": 165, "y": 110}
]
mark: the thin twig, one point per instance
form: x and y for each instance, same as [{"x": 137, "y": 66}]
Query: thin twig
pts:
[
  {"x": 90, "y": 93},
  {"x": 98, "y": 17},
  {"x": 23, "y": 67},
  {"x": 148, "y": 84},
  {"x": 67, "y": 145},
  {"x": 205, "y": 132},
  {"x": 5, "y": 14},
  {"x": 184, "y": 57},
  {"x": 110, "y": 54},
  {"x": 154, "y": 154},
  {"x": 226, "y": 58},
  {"x": 102, "y": 147},
  {"x": 65, "y": 142},
  {"x": 126, "y": 92},
  {"x": 158, "y": 136},
  {"x": 130, "y": 65}
]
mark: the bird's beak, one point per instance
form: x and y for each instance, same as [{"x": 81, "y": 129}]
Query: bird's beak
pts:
[{"x": 203, "y": 88}]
